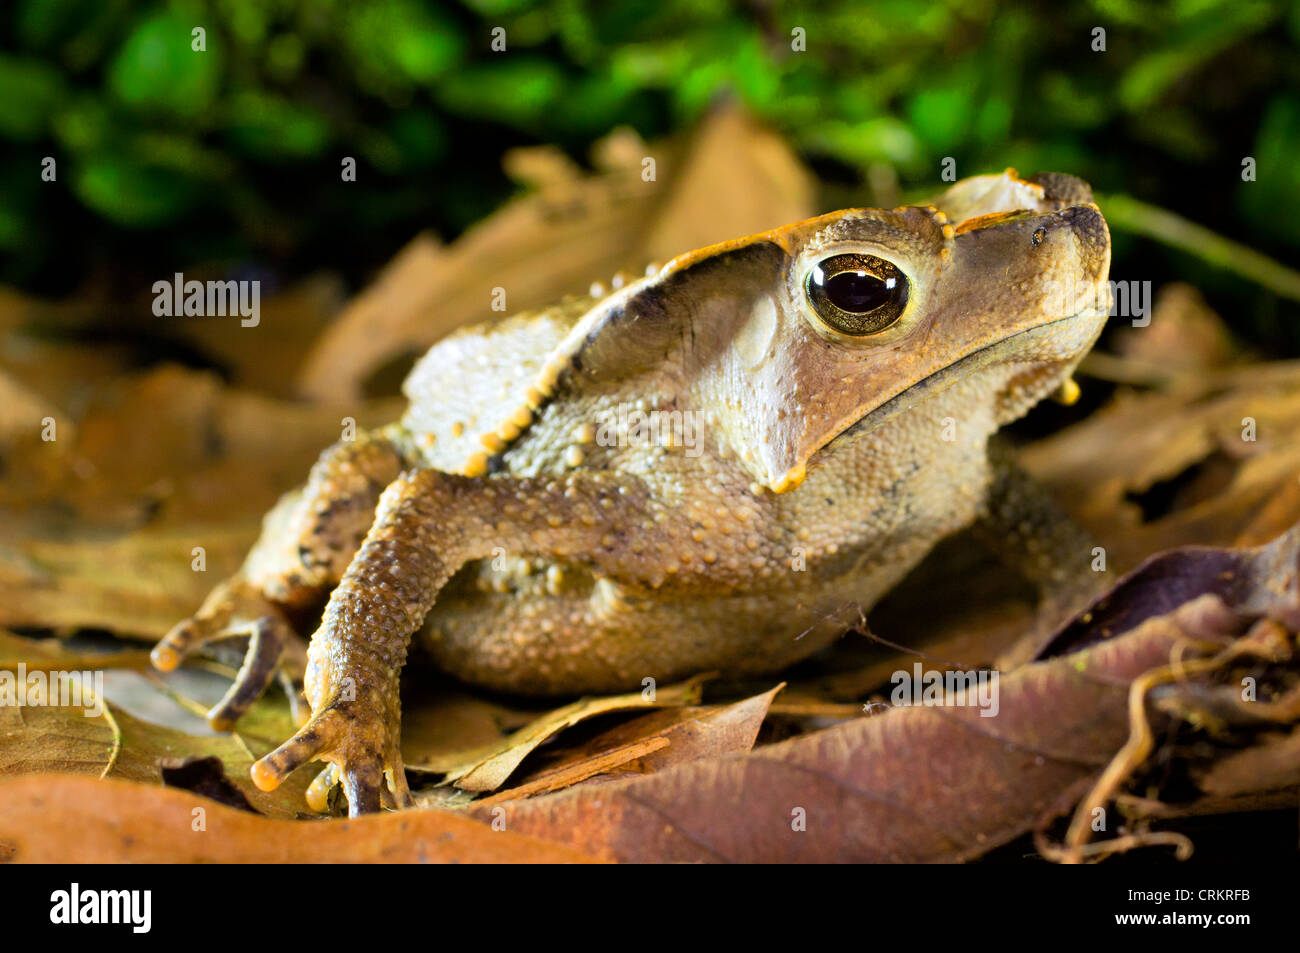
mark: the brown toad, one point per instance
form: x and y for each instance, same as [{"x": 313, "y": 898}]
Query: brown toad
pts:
[{"x": 679, "y": 476}]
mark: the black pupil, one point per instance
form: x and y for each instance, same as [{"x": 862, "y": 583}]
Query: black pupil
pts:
[{"x": 858, "y": 292}]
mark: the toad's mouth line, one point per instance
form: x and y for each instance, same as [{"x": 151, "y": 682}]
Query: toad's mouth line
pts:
[{"x": 946, "y": 376}]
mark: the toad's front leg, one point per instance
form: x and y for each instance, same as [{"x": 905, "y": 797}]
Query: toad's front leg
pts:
[
  {"x": 427, "y": 525},
  {"x": 356, "y": 656}
]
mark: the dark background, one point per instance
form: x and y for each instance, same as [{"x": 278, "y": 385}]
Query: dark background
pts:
[{"x": 170, "y": 159}]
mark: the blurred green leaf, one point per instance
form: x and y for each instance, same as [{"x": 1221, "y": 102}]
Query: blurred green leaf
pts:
[
  {"x": 1270, "y": 201},
  {"x": 180, "y": 153},
  {"x": 285, "y": 55},
  {"x": 271, "y": 127},
  {"x": 877, "y": 140},
  {"x": 156, "y": 69},
  {"x": 1201, "y": 38},
  {"x": 248, "y": 22},
  {"x": 130, "y": 192},
  {"x": 941, "y": 115},
  {"x": 420, "y": 137},
  {"x": 499, "y": 8},
  {"x": 595, "y": 104},
  {"x": 83, "y": 125},
  {"x": 40, "y": 23},
  {"x": 518, "y": 90},
  {"x": 12, "y": 227},
  {"x": 400, "y": 42}
]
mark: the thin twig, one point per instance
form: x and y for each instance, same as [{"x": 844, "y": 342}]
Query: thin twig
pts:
[{"x": 1125, "y": 213}]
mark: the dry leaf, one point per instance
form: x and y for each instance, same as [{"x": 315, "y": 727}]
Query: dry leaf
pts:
[
  {"x": 265, "y": 357},
  {"x": 654, "y": 742},
  {"x": 488, "y": 768},
  {"x": 42, "y": 739},
  {"x": 443, "y": 726},
  {"x": 1157, "y": 470},
  {"x": 1273, "y": 764},
  {"x": 49, "y": 655},
  {"x": 99, "y": 528},
  {"x": 64, "y": 819}
]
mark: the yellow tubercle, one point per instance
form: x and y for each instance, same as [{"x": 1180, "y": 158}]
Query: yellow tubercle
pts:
[
  {"x": 791, "y": 480},
  {"x": 1068, "y": 393}
]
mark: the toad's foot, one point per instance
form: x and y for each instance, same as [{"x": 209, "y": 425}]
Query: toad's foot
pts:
[
  {"x": 363, "y": 753},
  {"x": 235, "y": 609}
]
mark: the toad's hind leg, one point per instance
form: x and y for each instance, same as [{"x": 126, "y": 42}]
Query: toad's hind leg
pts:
[{"x": 306, "y": 544}]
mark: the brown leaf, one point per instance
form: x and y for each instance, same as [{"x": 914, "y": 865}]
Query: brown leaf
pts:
[
  {"x": 64, "y": 819},
  {"x": 53, "y": 655},
  {"x": 1184, "y": 335},
  {"x": 441, "y": 728},
  {"x": 570, "y": 774},
  {"x": 654, "y": 742},
  {"x": 265, "y": 357},
  {"x": 1153, "y": 471},
  {"x": 488, "y": 768},
  {"x": 42, "y": 739},
  {"x": 1260, "y": 582},
  {"x": 99, "y": 527},
  {"x": 1271, "y": 765}
]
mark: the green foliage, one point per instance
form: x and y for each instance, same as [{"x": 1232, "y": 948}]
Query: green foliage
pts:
[
  {"x": 238, "y": 146},
  {"x": 156, "y": 71},
  {"x": 1269, "y": 203}
]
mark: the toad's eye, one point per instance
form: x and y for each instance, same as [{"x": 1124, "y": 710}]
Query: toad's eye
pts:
[{"x": 857, "y": 294}]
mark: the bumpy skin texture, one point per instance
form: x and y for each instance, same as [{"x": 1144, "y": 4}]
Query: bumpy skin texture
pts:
[{"x": 565, "y": 552}]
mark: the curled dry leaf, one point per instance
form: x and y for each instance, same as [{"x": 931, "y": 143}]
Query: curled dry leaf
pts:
[
  {"x": 486, "y": 769},
  {"x": 65, "y": 819},
  {"x": 442, "y": 727},
  {"x": 652, "y": 743}
]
